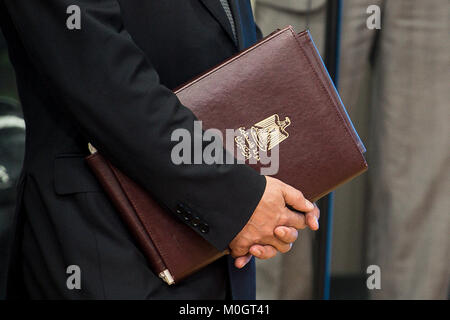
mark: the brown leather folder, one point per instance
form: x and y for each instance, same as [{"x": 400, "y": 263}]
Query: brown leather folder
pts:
[{"x": 279, "y": 94}]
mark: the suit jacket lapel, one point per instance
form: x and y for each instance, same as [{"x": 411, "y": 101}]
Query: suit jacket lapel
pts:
[{"x": 216, "y": 9}]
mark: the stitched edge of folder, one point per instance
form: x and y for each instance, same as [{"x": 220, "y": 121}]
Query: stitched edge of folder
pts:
[
  {"x": 259, "y": 45},
  {"x": 343, "y": 123},
  {"x": 161, "y": 251},
  {"x": 336, "y": 104}
]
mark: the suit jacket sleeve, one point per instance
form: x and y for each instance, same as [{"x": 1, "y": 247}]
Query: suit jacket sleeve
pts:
[{"x": 113, "y": 93}]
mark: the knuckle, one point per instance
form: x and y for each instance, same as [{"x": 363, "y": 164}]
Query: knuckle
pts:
[
  {"x": 283, "y": 219},
  {"x": 299, "y": 194},
  {"x": 263, "y": 237},
  {"x": 298, "y": 222},
  {"x": 235, "y": 253},
  {"x": 240, "y": 250},
  {"x": 301, "y": 225}
]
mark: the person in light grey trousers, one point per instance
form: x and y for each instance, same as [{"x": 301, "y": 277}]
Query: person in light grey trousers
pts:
[
  {"x": 394, "y": 83},
  {"x": 409, "y": 181}
]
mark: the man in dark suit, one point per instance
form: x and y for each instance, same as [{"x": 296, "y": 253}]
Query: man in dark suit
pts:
[{"x": 108, "y": 81}]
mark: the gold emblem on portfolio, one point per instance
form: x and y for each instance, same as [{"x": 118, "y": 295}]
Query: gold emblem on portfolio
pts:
[{"x": 264, "y": 136}]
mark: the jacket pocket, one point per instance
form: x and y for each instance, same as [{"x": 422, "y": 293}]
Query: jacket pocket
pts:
[{"x": 73, "y": 175}]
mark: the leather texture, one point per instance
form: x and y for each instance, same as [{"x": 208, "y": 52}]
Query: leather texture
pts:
[
  {"x": 163, "y": 238},
  {"x": 283, "y": 74}
]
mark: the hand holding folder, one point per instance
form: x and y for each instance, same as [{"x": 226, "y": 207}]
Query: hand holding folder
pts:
[
  {"x": 273, "y": 226},
  {"x": 279, "y": 85}
]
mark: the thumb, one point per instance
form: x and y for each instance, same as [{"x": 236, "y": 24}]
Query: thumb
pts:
[
  {"x": 241, "y": 262},
  {"x": 295, "y": 199}
]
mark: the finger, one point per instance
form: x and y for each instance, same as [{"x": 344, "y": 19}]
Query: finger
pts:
[
  {"x": 239, "y": 247},
  {"x": 312, "y": 218},
  {"x": 293, "y": 219},
  {"x": 286, "y": 234},
  {"x": 279, "y": 245},
  {"x": 263, "y": 252},
  {"x": 312, "y": 221},
  {"x": 295, "y": 199},
  {"x": 241, "y": 262},
  {"x": 236, "y": 253},
  {"x": 316, "y": 211}
]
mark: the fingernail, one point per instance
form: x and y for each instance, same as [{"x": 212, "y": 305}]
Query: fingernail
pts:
[
  {"x": 309, "y": 205},
  {"x": 317, "y": 223},
  {"x": 257, "y": 252},
  {"x": 281, "y": 232}
]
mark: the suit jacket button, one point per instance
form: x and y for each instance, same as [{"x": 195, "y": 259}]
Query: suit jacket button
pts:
[
  {"x": 204, "y": 228},
  {"x": 180, "y": 209},
  {"x": 195, "y": 222},
  {"x": 187, "y": 216}
]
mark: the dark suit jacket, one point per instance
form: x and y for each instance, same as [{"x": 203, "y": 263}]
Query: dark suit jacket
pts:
[{"x": 110, "y": 83}]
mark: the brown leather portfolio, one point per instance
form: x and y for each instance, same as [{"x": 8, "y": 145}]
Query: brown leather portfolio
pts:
[{"x": 278, "y": 97}]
